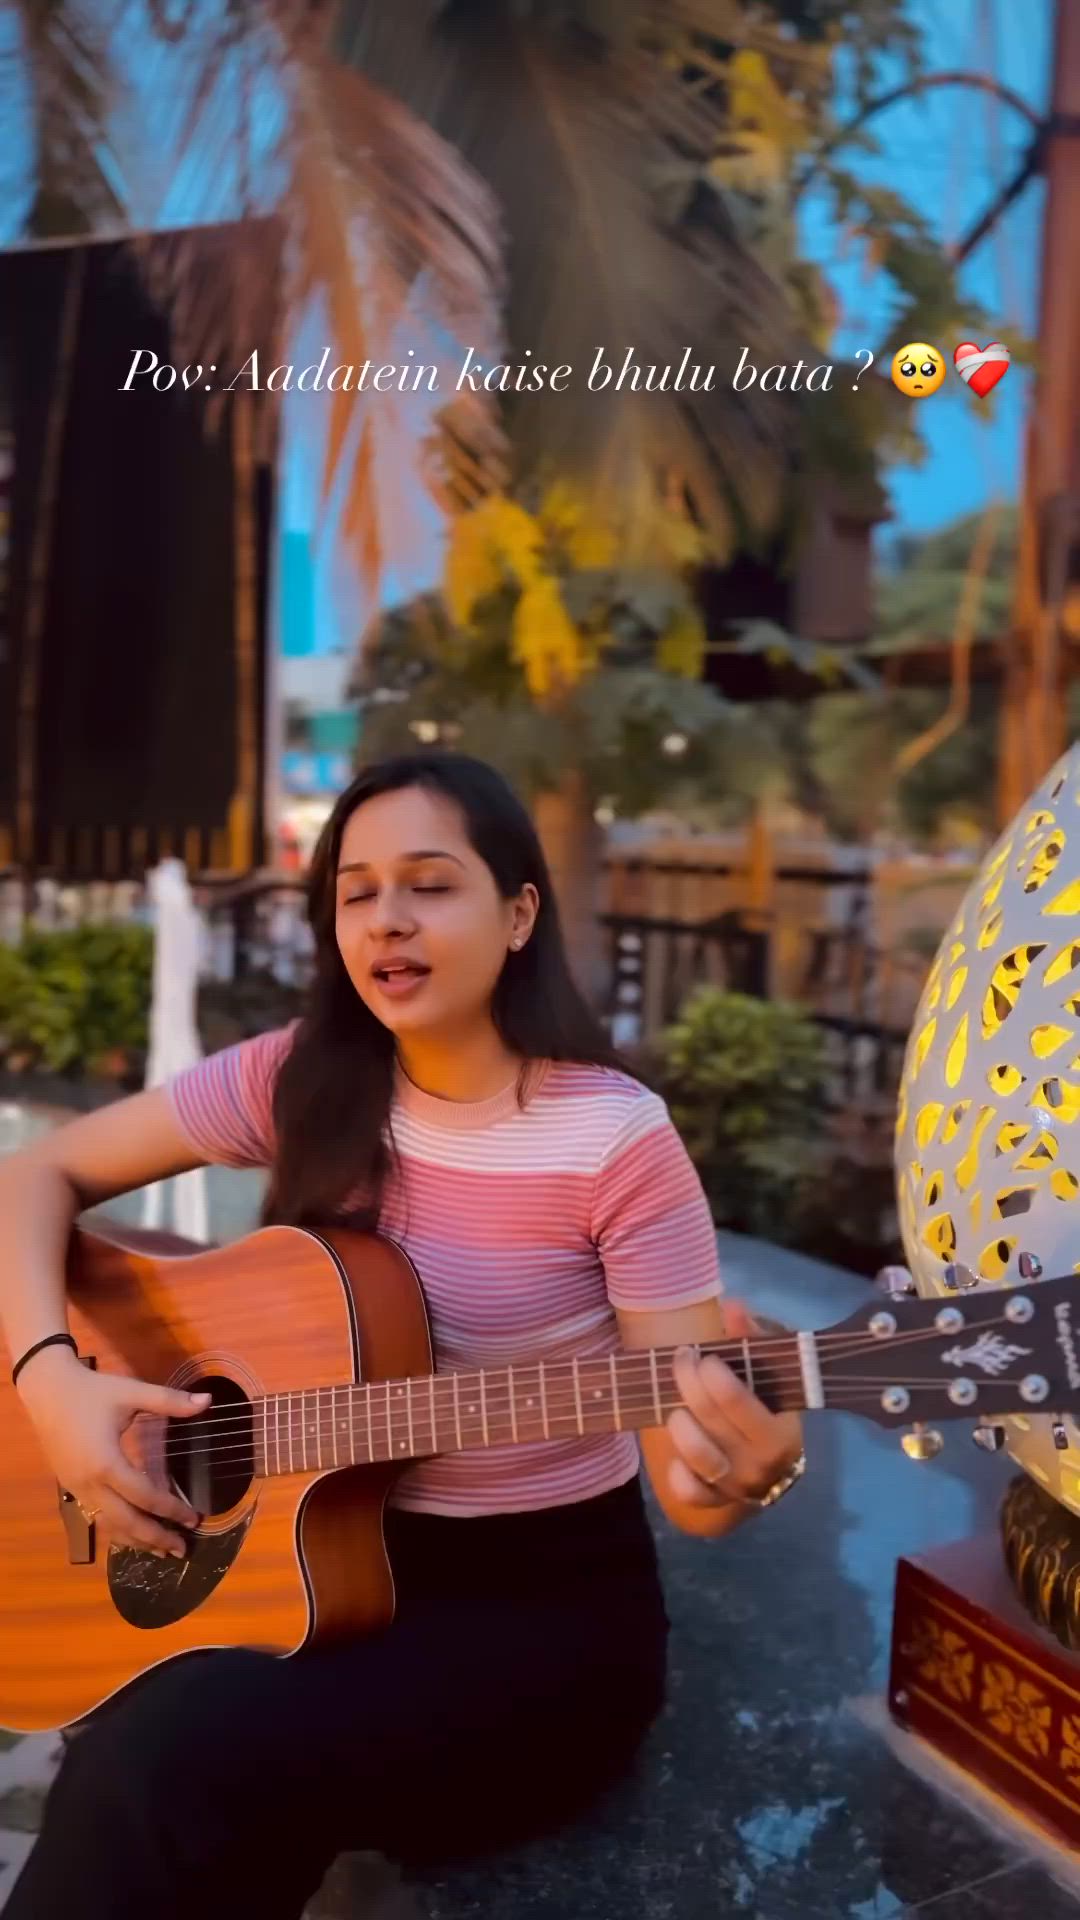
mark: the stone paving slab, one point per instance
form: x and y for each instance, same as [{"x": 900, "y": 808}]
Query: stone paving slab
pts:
[{"x": 26, "y": 1769}]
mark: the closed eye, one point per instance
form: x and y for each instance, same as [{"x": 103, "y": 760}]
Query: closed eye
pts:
[{"x": 352, "y": 899}]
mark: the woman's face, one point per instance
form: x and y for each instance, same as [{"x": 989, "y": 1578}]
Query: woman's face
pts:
[{"x": 421, "y": 926}]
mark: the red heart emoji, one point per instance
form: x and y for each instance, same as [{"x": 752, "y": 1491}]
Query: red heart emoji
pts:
[{"x": 981, "y": 367}]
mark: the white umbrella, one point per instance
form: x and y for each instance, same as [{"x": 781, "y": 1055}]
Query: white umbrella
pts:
[{"x": 174, "y": 1036}]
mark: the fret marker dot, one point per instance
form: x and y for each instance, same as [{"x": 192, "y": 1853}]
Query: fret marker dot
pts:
[
  {"x": 471, "y": 1409},
  {"x": 402, "y": 1444},
  {"x": 597, "y": 1395},
  {"x": 528, "y": 1403}
]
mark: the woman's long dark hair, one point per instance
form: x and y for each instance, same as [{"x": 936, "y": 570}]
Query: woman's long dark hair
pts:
[{"x": 334, "y": 1090}]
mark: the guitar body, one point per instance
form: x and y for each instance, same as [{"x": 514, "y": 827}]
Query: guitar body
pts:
[
  {"x": 317, "y": 1353},
  {"x": 277, "y": 1563}
]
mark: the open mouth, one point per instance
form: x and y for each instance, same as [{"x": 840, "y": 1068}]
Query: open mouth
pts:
[{"x": 400, "y": 977}]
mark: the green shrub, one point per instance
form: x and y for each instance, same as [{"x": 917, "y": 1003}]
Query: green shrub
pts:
[
  {"x": 745, "y": 1081},
  {"x": 77, "y": 1000},
  {"x": 16, "y": 991}
]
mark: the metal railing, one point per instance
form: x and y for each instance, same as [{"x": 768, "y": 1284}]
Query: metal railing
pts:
[
  {"x": 656, "y": 963},
  {"x": 251, "y": 927},
  {"x": 258, "y": 929}
]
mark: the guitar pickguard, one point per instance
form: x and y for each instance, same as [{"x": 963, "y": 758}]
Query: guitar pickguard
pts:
[{"x": 148, "y": 1592}]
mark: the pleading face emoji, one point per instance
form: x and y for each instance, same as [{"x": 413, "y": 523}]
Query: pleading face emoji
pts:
[
  {"x": 918, "y": 370},
  {"x": 988, "y": 1130}
]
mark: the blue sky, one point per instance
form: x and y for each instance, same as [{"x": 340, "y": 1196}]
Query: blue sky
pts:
[{"x": 950, "y": 151}]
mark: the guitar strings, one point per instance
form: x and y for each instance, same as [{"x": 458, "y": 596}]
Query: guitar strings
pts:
[
  {"x": 781, "y": 1373},
  {"x": 472, "y": 1430},
  {"x": 324, "y": 1435},
  {"x": 384, "y": 1435},
  {"x": 296, "y": 1420}
]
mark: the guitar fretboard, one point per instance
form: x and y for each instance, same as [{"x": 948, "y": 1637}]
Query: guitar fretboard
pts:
[{"x": 318, "y": 1428}]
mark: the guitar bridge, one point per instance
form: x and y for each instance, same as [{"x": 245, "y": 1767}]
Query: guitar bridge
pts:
[{"x": 81, "y": 1532}]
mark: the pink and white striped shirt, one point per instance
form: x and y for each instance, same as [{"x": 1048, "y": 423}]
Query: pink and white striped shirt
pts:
[{"x": 528, "y": 1226}]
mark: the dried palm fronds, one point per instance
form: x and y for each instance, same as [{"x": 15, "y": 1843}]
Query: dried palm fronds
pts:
[{"x": 260, "y": 181}]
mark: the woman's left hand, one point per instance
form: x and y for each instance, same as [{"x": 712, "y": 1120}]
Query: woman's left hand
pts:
[{"x": 730, "y": 1448}]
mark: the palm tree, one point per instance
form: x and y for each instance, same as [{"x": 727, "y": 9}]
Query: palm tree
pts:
[
  {"x": 374, "y": 213},
  {"x": 334, "y": 197},
  {"x": 604, "y": 132},
  {"x": 643, "y": 154},
  {"x": 629, "y": 165},
  {"x": 634, "y": 170},
  {"x": 158, "y": 120}
]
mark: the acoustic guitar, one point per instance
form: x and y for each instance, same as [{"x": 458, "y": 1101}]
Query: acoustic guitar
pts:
[{"x": 317, "y": 1351}]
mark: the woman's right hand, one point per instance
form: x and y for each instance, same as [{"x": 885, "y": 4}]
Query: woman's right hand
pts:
[{"x": 79, "y": 1417}]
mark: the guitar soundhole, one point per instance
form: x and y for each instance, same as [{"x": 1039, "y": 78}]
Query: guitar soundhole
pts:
[{"x": 211, "y": 1456}]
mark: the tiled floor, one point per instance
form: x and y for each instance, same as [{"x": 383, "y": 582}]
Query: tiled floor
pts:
[
  {"x": 764, "y": 1794},
  {"x": 26, "y": 1767}
]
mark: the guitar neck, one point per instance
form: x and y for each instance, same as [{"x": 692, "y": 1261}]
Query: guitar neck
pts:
[{"x": 324, "y": 1427}]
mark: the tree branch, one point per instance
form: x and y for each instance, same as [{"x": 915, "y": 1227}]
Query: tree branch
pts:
[
  {"x": 1029, "y": 166},
  {"x": 954, "y": 77}
]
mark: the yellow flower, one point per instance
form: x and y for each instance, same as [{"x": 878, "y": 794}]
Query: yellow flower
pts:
[{"x": 545, "y": 640}]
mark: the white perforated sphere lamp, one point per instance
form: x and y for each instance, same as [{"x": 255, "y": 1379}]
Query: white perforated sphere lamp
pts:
[{"x": 988, "y": 1130}]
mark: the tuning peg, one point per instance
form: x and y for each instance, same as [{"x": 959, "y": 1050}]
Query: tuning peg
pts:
[
  {"x": 990, "y": 1439},
  {"x": 895, "y": 1281},
  {"x": 1031, "y": 1267},
  {"x": 1061, "y": 1438},
  {"x": 922, "y": 1443},
  {"x": 958, "y": 1278}
]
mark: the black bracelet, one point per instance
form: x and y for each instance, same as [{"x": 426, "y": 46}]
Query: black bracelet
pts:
[{"x": 51, "y": 1340}]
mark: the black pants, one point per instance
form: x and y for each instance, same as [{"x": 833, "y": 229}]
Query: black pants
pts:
[{"x": 525, "y": 1664}]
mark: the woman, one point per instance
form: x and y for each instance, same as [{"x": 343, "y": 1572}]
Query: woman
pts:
[{"x": 448, "y": 1082}]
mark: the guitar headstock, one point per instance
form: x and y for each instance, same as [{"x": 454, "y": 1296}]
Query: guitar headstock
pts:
[{"x": 983, "y": 1350}]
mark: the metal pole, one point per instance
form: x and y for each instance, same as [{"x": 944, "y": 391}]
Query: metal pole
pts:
[{"x": 1033, "y": 708}]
